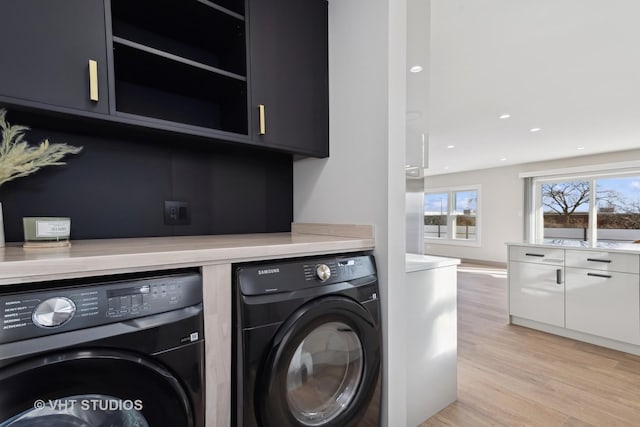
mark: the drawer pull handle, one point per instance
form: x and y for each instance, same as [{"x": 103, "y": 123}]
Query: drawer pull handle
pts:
[
  {"x": 93, "y": 80},
  {"x": 559, "y": 276},
  {"x": 538, "y": 255},
  {"x": 607, "y": 261},
  {"x": 606, "y": 276},
  {"x": 262, "y": 125}
]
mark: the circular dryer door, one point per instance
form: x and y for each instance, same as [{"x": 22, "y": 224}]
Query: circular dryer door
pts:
[
  {"x": 90, "y": 389},
  {"x": 322, "y": 367}
]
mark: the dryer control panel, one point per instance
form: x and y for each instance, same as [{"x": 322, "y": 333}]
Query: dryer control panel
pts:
[
  {"x": 25, "y": 315},
  {"x": 287, "y": 276}
]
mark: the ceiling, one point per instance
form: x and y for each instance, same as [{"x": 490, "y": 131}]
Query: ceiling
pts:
[{"x": 568, "y": 67}]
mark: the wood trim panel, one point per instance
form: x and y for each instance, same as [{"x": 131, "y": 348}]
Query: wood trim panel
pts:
[
  {"x": 341, "y": 230},
  {"x": 217, "y": 331}
]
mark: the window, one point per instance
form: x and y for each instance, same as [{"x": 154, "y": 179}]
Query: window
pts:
[
  {"x": 565, "y": 209},
  {"x": 452, "y": 215},
  {"x": 600, "y": 207}
]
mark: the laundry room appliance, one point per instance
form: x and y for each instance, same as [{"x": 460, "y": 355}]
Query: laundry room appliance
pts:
[
  {"x": 121, "y": 351},
  {"x": 307, "y": 342}
]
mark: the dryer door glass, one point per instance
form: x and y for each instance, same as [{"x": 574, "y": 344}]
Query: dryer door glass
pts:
[
  {"x": 324, "y": 373},
  {"x": 322, "y": 368}
]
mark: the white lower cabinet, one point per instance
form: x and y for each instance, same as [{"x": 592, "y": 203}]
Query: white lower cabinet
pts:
[
  {"x": 603, "y": 303},
  {"x": 536, "y": 292}
]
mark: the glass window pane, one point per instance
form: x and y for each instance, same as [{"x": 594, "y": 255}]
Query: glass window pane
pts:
[
  {"x": 618, "y": 204},
  {"x": 436, "y": 206},
  {"x": 466, "y": 208},
  {"x": 565, "y": 209},
  {"x": 466, "y": 202}
]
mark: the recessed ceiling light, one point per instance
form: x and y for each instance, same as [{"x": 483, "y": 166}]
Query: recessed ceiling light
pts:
[
  {"x": 504, "y": 116},
  {"x": 502, "y": 159},
  {"x": 580, "y": 148},
  {"x": 535, "y": 129},
  {"x": 451, "y": 146},
  {"x": 415, "y": 69},
  {"x": 446, "y": 167}
]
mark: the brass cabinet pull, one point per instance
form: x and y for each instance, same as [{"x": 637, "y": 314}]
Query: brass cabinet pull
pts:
[
  {"x": 262, "y": 130},
  {"x": 93, "y": 80}
]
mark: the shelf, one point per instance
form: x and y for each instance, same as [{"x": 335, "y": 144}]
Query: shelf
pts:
[
  {"x": 151, "y": 85},
  {"x": 208, "y": 33},
  {"x": 166, "y": 55}
]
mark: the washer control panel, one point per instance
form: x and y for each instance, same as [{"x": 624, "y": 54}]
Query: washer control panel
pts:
[{"x": 26, "y": 315}]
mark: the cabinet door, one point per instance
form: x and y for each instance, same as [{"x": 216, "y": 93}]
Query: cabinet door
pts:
[
  {"x": 288, "y": 41},
  {"x": 604, "y": 303},
  {"x": 46, "y": 50},
  {"x": 535, "y": 294}
]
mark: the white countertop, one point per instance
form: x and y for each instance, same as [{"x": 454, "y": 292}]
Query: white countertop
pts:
[
  {"x": 581, "y": 245},
  {"x": 419, "y": 262},
  {"x": 110, "y": 256}
]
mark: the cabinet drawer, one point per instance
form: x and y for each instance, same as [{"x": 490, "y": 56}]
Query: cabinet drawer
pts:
[
  {"x": 536, "y": 292},
  {"x": 601, "y": 303},
  {"x": 604, "y": 261},
  {"x": 538, "y": 255}
]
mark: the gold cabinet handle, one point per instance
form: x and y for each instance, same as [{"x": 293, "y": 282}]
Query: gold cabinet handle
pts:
[
  {"x": 93, "y": 80},
  {"x": 262, "y": 130}
]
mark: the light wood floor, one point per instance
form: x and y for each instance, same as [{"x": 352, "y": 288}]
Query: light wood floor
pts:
[{"x": 513, "y": 376}]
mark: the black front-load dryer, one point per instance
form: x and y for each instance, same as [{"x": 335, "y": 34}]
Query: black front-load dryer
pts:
[
  {"x": 306, "y": 343},
  {"x": 115, "y": 351}
]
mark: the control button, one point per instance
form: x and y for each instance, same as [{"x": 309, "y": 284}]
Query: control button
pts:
[
  {"x": 125, "y": 302},
  {"x": 136, "y": 300},
  {"x": 323, "y": 272},
  {"x": 53, "y": 312}
]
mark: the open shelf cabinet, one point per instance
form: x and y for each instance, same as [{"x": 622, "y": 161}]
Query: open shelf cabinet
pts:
[{"x": 181, "y": 61}]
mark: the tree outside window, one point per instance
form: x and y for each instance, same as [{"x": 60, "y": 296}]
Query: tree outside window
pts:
[{"x": 567, "y": 207}]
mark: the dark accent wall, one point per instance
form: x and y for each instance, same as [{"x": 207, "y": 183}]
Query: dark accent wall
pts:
[{"x": 116, "y": 187}]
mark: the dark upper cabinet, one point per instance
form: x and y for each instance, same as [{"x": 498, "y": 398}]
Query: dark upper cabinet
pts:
[
  {"x": 192, "y": 67},
  {"x": 288, "y": 45},
  {"x": 46, "y": 49}
]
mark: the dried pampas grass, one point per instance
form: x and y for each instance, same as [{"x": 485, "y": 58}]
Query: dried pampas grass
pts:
[{"x": 18, "y": 158}]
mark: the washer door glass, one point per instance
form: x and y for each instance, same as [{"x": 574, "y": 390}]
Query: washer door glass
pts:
[
  {"x": 324, "y": 373},
  {"x": 92, "y": 388},
  {"x": 87, "y": 410}
]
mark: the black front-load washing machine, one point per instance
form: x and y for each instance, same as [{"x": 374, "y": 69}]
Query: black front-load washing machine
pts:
[
  {"x": 306, "y": 342},
  {"x": 114, "y": 351}
]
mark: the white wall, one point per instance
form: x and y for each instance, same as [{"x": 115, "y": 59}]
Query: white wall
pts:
[
  {"x": 502, "y": 201},
  {"x": 363, "y": 180}
]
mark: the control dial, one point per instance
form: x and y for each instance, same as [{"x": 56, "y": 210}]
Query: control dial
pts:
[
  {"x": 323, "y": 272},
  {"x": 54, "y": 312}
]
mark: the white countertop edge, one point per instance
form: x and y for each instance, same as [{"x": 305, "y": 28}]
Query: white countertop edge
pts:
[
  {"x": 627, "y": 248},
  {"x": 419, "y": 262}
]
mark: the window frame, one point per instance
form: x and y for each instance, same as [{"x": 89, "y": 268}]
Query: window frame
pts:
[
  {"x": 451, "y": 216},
  {"x": 535, "y": 226}
]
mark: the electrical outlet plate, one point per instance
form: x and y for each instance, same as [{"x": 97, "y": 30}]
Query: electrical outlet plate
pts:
[{"x": 176, "y": 213}]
